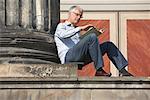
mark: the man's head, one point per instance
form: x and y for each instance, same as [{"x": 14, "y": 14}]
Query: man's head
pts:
[{"x": 75, "y": 14}]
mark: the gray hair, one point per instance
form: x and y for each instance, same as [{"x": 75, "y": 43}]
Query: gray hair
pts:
[{"x": 72, "y": 8}]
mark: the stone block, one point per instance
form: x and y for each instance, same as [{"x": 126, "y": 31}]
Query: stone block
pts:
[
  {"x": 45, "y": 94},
  {"x": 121, "y": 94},
  {"x": 38, "y": 70},
  {"x": 74, "y": 94}
]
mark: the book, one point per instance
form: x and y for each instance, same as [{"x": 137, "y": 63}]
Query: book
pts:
[{"x": 91, "y": 30}]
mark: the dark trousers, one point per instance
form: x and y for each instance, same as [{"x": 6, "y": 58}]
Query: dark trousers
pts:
[{"x": 89, "y": 50}]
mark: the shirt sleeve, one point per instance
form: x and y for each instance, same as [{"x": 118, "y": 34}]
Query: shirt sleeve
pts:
[{"x": 63, "y": 32}]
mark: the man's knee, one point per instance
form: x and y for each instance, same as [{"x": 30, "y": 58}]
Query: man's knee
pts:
[
  {"x": 110, "y": 44},
  {"x": 92, "y": 36}
]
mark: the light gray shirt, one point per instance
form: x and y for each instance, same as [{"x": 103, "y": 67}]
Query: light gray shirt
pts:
[{"x": 66, "y": 36}]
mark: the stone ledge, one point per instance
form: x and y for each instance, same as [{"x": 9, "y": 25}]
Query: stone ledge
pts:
[
  {"x": 79, "y": 79},
  {"x": 82, "y": 88},
  {"x": 75, "y": 83}
]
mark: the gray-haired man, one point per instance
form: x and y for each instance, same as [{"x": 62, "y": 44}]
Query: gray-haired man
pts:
[{"x": 73, "y": 49}]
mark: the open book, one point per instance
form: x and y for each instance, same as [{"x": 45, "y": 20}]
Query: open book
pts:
[{"x": 91, "y": 30}]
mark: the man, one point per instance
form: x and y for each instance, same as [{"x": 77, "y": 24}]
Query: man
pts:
[{"x": 73, "y": 49}]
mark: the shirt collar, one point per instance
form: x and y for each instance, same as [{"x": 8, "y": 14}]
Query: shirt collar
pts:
[{"x": 68, "y": 23}]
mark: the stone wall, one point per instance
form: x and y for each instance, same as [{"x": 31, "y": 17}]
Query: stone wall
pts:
[{"x": 74, "y": 94}]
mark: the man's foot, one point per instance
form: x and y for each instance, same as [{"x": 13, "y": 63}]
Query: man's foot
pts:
[
  {"x": 80, "y": 66},
  {"x": 102, "y": 73},
  {"x": 124, "y": 72}
]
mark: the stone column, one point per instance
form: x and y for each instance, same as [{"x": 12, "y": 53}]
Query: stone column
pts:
[
  {"x": 39, "y": 15},
  {"x": 12, "y": 13},
  {"x": 46, "y": 15},
  {"x": 49, "y": 14},
  {"x": 55, "y": 14},
  {"x": 26, "y": 13},
  {"x": 33, "y": 2},
  {"x": 2, "y": 13}
]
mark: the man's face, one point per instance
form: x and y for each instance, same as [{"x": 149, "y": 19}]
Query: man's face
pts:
[{"x": 75, "y": 16}]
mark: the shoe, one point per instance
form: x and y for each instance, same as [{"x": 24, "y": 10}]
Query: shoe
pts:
[
  {"x": 80, "y": 66},
  {"x": 102, "y": 73},
  {"x": 124, "y": 72}
]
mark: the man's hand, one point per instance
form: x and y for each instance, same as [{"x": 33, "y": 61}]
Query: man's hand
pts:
[
  {"x": 85, "y": 27},
  {"x": 102, "y": 30}
]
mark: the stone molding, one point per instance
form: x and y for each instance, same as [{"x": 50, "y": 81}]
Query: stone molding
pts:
[
  {"x": 75, "y": 83},
  {"x": 107, "y": 5}
]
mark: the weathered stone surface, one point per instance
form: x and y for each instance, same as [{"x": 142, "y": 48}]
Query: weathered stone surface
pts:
[
  {"x": 2, "y": 13},
  {"x": 38, "y": 70},
  {"x": 40, "y": 15},
  {"x": 26, "y": 13},
  {"x": 121, "y": 94},
  {"x": 72, "y": 88},
  {"x": 12, "y": 13},
  {"x": 55, "y": 14},
  {"x": 75, "y": 82},
  {"x": 27, "y": 48},
  {"x": 73, "y": 94},
  {"x": 44, "y": 94}
]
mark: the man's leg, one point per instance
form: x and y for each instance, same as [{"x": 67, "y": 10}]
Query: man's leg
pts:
[
  {"x": 115, "y": 56},
  {"x": 87, "y": 50}
]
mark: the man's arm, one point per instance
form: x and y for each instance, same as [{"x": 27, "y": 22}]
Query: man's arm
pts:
[{"x": 62, "y": 32}]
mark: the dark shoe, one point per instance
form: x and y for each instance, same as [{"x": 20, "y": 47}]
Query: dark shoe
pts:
[
  {"x": 80, "y": 65},
  {"x": 102, "y": 73},
  {"x": 124, "y": 72}
]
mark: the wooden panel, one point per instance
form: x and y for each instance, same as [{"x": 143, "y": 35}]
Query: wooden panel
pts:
[
  {"x": 89, "y": 69},
  {"x": 138, "y": 46}
]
